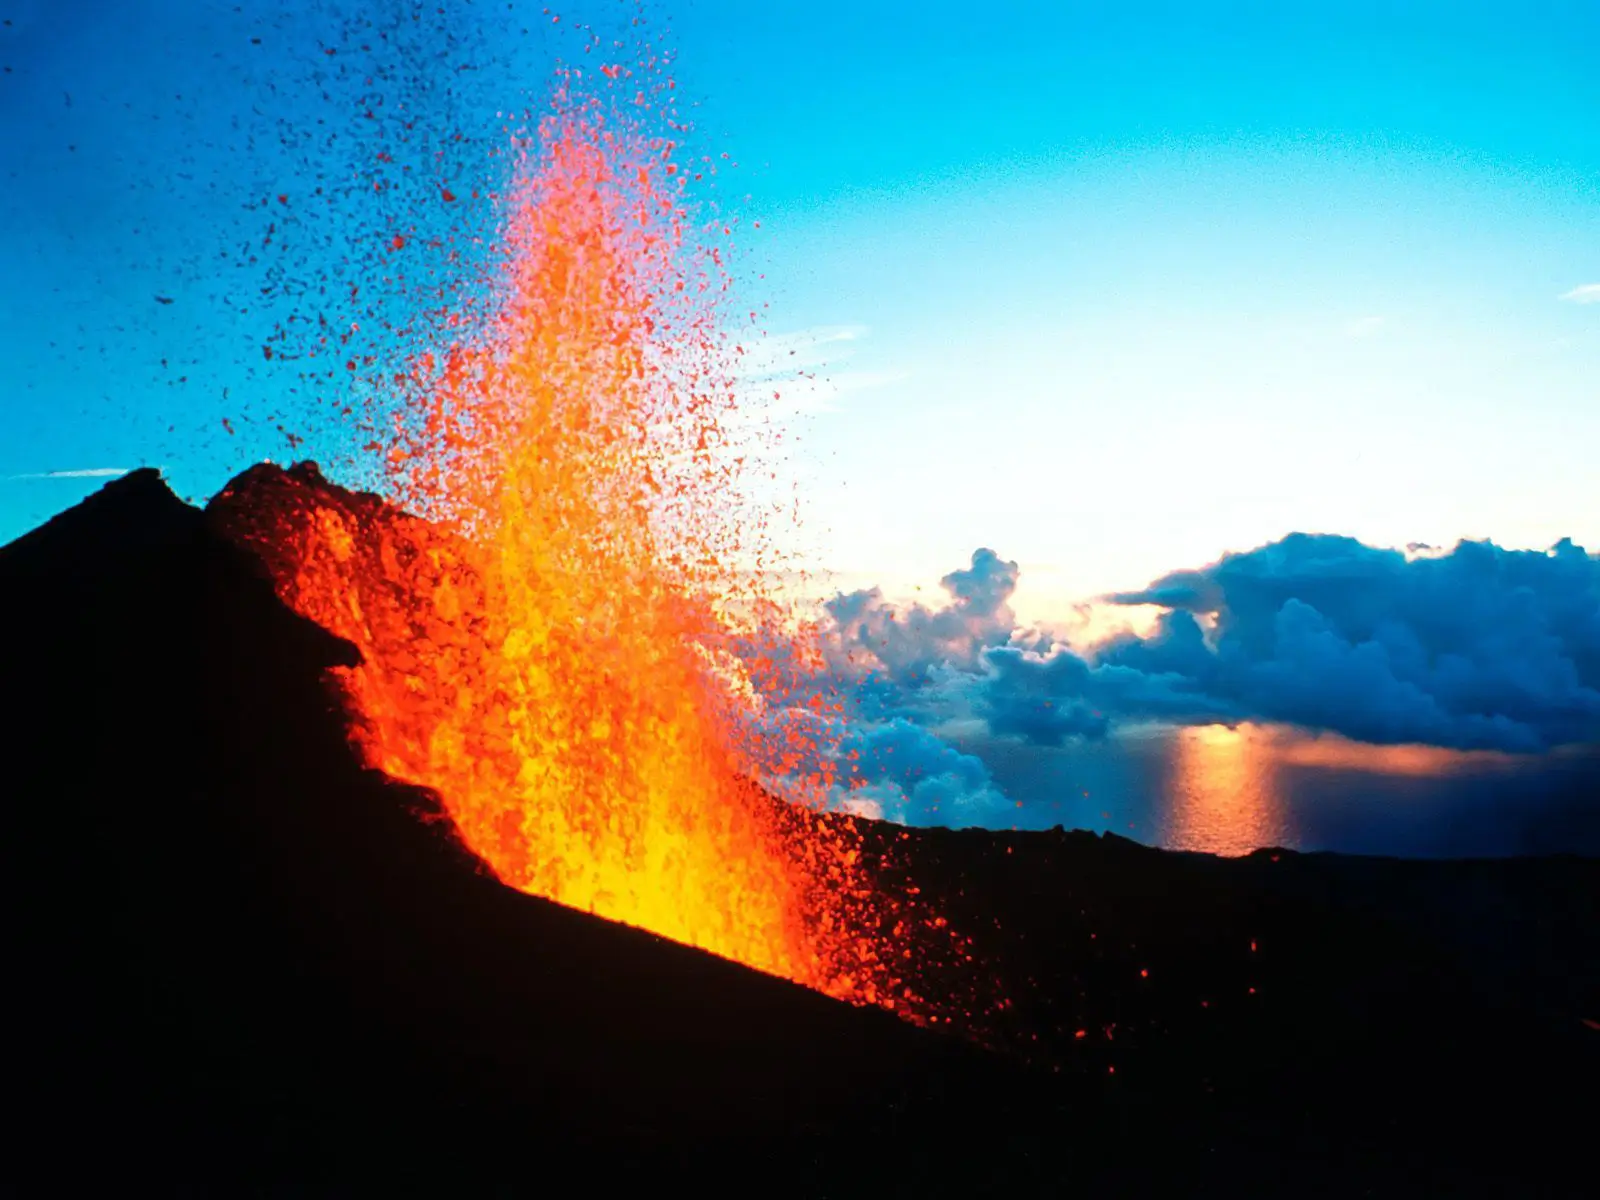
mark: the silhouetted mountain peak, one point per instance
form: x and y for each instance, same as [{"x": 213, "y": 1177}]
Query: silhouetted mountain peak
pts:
[{"x": 128, "y": 517}]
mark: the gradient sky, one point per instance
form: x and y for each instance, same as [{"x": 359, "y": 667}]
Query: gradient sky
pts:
[
  {"x": 1135, "y": 284},
  {"x": 1111, "y": 288}
]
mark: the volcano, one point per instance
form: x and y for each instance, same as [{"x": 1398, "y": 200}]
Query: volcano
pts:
[{"x": 242, "y": 957}]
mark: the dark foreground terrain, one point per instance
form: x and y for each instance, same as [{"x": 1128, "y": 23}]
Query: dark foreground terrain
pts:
[{"x": 237, "y": 961}]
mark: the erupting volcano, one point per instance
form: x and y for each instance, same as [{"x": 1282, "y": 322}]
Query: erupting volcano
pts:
[
  {"x": 480, "y": 811},
  {"x": 540, "y": 640}
]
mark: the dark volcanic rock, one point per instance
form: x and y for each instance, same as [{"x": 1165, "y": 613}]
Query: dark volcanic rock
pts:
[{"x": 235, "y": 956}]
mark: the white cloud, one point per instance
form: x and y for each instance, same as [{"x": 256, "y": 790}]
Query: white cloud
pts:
[
  {"x": 944, "y": 799},
  {"x": 786, "y": 375},
  {"x": 1587, "y": 293},
  {"x": 80, "y": 473},
  {"x": 807, "y": 395},
  {"x": 779, "y": 355}
]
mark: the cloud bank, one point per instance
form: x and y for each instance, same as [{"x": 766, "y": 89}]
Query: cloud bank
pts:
[{"x": 1477, "y": 648}]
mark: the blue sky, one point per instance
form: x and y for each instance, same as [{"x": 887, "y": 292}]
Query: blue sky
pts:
[
  {"x": 149, "y": 256},
  {"x": 1112, "y": 287},
  {"x": 1115, "y": 290},
  {"x": 1131, "y": 285}
]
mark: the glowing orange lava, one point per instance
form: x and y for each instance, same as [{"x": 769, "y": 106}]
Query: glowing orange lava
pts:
[{"x": 538, "y": 638}]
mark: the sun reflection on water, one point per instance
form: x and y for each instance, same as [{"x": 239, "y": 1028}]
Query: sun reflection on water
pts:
[
  {"x": 1225, "y": 795},
  {"x": 1230, "y": 789}
]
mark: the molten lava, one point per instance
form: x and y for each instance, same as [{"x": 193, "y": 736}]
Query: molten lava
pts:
[{"x": 538, "y": 639}]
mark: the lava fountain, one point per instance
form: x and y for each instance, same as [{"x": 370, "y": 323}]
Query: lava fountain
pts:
[{"x": 539, "y": 598}]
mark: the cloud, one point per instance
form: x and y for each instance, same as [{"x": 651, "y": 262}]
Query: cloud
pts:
[
  {"x": 792, "y": 374},
  {"x": 909, "y": 648},
  {"x": 808, "y": 395},
  {"x": 778, "y": 354},
  {"x": 894, "y": 769},
  {"x": 1481, "y": 648},
  {"x": 1475, "y": 648},
  {"x": 1587, "y": 293},
  {"x": 80, "y": 473},
  {"x": 900, "y": 771},
  {"x": 888, "y": 675}
]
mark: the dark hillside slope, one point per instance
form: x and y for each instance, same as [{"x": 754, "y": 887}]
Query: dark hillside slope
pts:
[{"x": 233, "y": 955}]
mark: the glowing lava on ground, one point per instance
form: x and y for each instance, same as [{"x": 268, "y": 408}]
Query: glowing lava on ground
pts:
[{"x": 537, "y": 638}]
